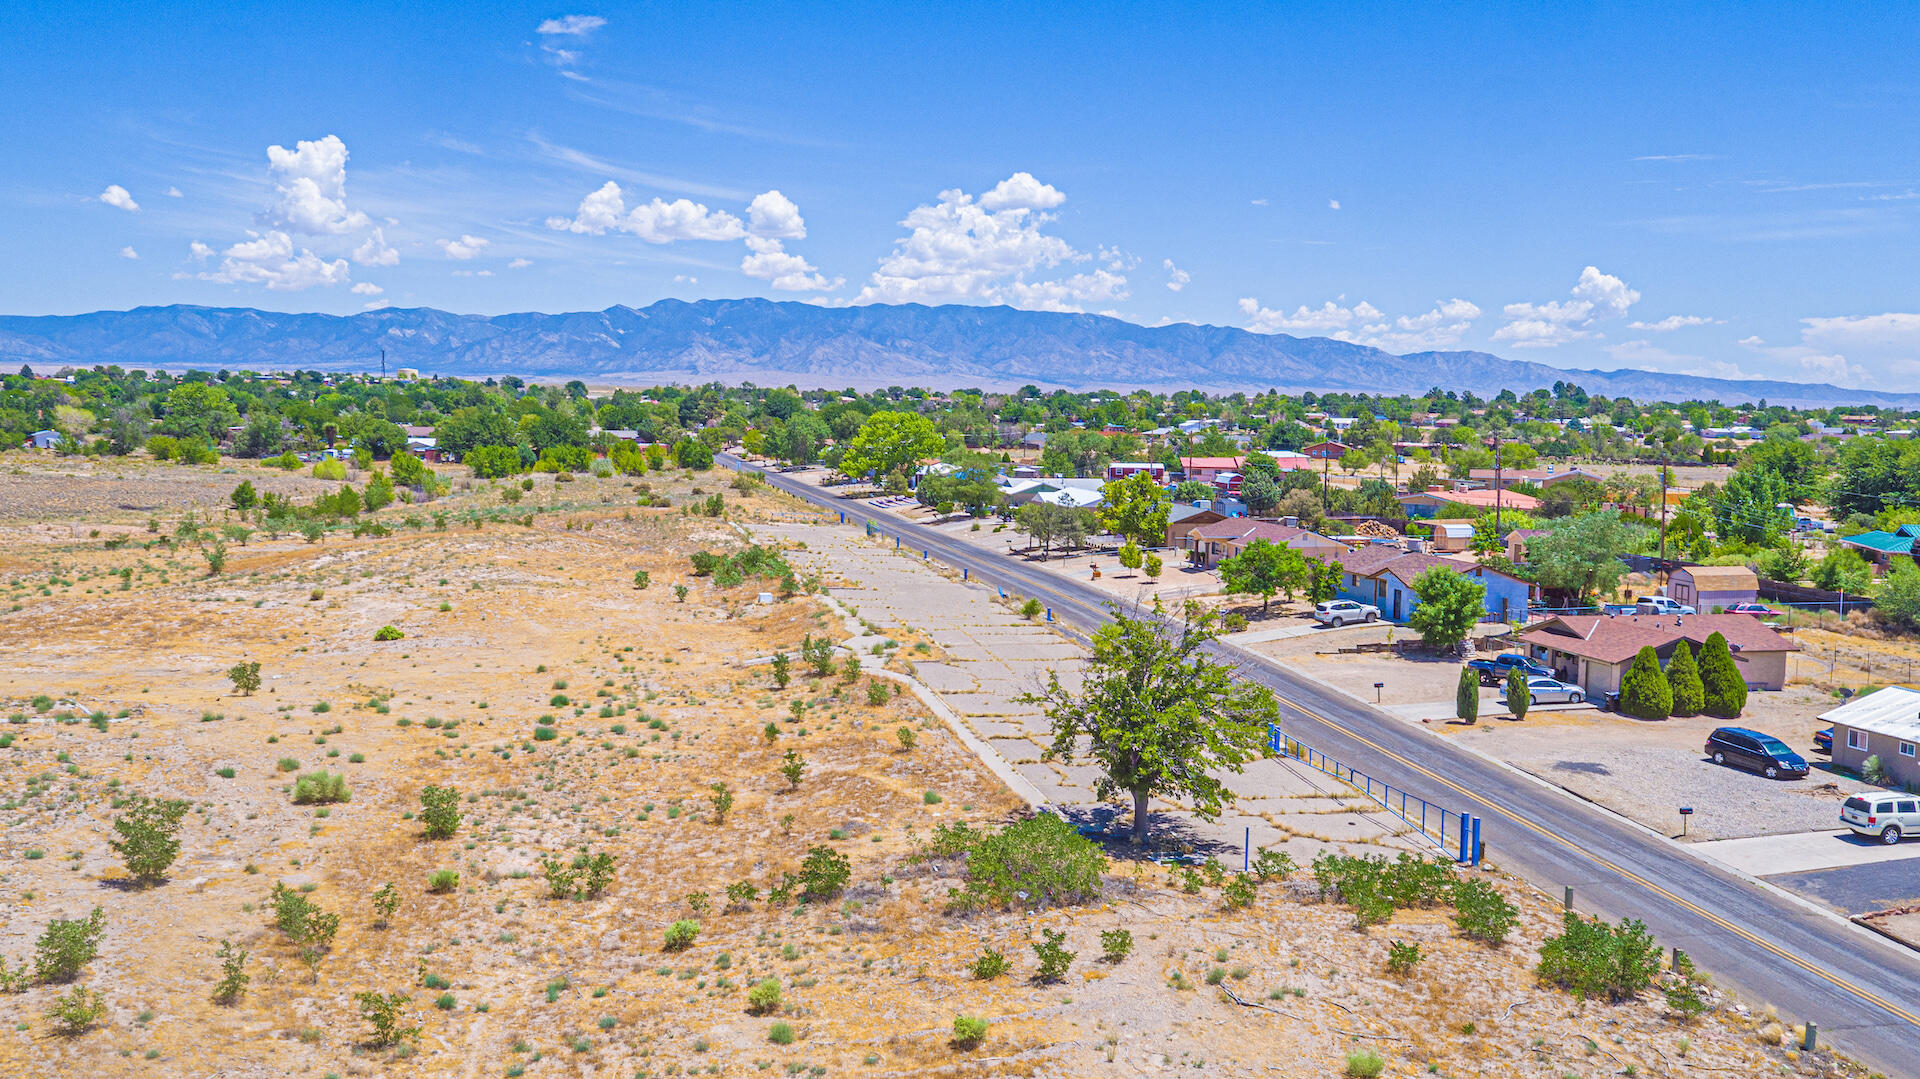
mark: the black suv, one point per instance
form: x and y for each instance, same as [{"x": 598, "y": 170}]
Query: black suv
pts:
[{"x": 1755, "y": 752}]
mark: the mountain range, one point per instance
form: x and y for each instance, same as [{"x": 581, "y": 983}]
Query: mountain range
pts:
[{"x": 777, "y": 343}]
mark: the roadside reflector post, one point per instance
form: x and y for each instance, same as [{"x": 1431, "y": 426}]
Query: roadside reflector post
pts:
[
  {"x": 843, "y": 516},
  {"x": 1812, "y": 1038},
  {"x": 1466, "y": 827},
  {"x": 1567, "y": 904},
  {"x": 1677, "y": 956},
  {"x": 963, "y": 573},
  {"x": 896, "y": 543},
  {"x": 1049, "y": 614},
  {"x": 1476, "y": 841}
]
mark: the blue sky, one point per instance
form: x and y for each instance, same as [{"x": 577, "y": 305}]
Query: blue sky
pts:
[{"x": 1726, "y": 192}]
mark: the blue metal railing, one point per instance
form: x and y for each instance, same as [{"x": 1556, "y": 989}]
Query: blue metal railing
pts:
[{"x": 1455, "y": 834}]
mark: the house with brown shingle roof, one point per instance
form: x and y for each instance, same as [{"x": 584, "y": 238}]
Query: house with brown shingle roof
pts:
[
  {"x": 1595, "y": 650},
  {"x": 1432, "y": 503},
  {"x": 1209, "y": 543},
  {"x": 1383, "y": 575}
]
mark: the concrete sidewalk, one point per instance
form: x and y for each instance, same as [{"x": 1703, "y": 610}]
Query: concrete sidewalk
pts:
[{"x": 1799, "y": 852}]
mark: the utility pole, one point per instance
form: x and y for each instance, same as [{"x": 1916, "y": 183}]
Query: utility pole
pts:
[
  {"x": 1663, "y": 518},
  {"x": 383, "y": 365},
  {"x": 1326, "y": 463},
  {"x": 1499, "y": 485}
]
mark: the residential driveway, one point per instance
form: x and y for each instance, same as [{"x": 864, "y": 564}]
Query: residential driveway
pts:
[
  {"x": 1801, "y": 852},
  {"x": 1858, "y": 889}
]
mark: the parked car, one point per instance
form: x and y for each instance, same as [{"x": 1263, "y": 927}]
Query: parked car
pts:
[
  {"x": 1338, "y": 612},
  {"x": 1494, "y": 671},
  {"x": 1755, "y": 752},
  {"x": 1823, "y": 740},
  {"x": 1758, "y": 610},
  {"x": 1887, "y": 815},
  {"x": 1662, "y": 605},
  {"x": 1550, "y": 691}
]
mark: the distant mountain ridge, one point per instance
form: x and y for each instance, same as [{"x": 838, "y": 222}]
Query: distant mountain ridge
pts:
[{"x": 775, "y": 343}]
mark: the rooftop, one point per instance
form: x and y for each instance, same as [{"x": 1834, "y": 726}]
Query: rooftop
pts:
[
  {"x": 1894, "y": 710},
  {"x": 1617, "y": 638}
]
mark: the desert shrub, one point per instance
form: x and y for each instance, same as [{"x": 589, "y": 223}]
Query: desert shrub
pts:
[
  {"x": 1271, "y": 864},
  {"x": 764, "y": 997},
  {"x": 330, "y": 470},
  {"x": 823, "y": 873},
  {"x": 75, "y": 1012},
  {"x": 907, "y": 737},
  {"x": 878, "y": 693},
  {"x": 233, "y": 976},
  {"x": 321, "y": 788},
  {"x": 387, "y": 633},
  {"x": 66, "y": 946},
  {"x": 440, "y": 811},
  {"x": 1364, "y": 1064},
  {"x": 722, "y": 800},
  {"x": 990, "y": 965},
  {"x": 681, "y": 935},
  {"x": 386, "y": 900},
  {"x": 382, "y": 1012},
  {"x": 1238, "y": 893},
  {"x": 1590, "y": 958},
  {"x": 741, "y": 893},
  {"x": 1031, "y": 609},
  {"x": 1053, "y": 956},
  {"x": 1402, "y": 957},
  {"x": 1481, "y": 913},
  {"x": 545, "y": 734},
  {"x": 1116, "y": 944},
  {"x": 441, "y": 881},
  {"x": 781, "y": 1033},
  {"x": 968, "y": 1031},
  {"x": 792, "y": 766},
  {"x": 149, "y": 835},
  {"x": 1039, "y": 862},
  {"x": 245, "y": 676}
]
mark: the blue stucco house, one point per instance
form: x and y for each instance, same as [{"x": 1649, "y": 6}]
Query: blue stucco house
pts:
[{"x": 1383, "y": 576}]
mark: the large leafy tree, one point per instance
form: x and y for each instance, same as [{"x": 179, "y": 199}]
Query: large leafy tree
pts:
[
  {"x": 1723, "y": 687},
  {"x": 1580, "y": 558},
  {"x": 889, "y": 441},
  {"x": 1747, "y": 507},
  {"x": 1159, "y": 715},
  {"x": 1644, "y": 690},
  {"x": 1263, "y": 568},
  {"x": 1683, "y": 674},
  {"x": 1873, "y": 473},
  {"x": 1899, "y": 598},
  {"x": 1136, "y": 509},
  {"x": 1449, "y": 606}
]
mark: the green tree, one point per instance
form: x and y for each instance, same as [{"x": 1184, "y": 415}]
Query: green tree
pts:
[
  {"x": 1843, "y": 570},
  {"x": 379, "y": 491},
  {"x": 1466, "y": 696},
  {"x": 1263, "y": 568},
  {"x": 1746, "y": 508},
  {"x": 1130, "y": 556},
  {"x": 693, "y": 454},
  {"x": 1519, "y": 697},
  {"x": 1580, "y": 557},
  {"x": 782, "y": 669},
  {"x": 245, "y": 676},
  {"x": 1644, "y": 691},
  {"x": 1786, "y": 562},
  {"x": 1450, "y": 606},
  {"x": 1323, "y": 579},
  {"x": 889, "y": 441},
  {"x": 1683, "y": 674},
  {"x": 1159, "y": 715},
  {"x": 1136, "y": 509},
  {"x": 408, "y": 471},
  {"x": 1899, "y": 598},
  {"x": 440, "y": 811},
  {"x": 149, "y": 831},
  {"x": 244, "y": 497},
  {"x": 1724, "y": 690}
]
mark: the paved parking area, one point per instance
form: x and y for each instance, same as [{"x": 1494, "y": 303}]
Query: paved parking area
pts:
[
  {"x": 1806, "y": 851},
  {"x": 1858, "y": 889}
]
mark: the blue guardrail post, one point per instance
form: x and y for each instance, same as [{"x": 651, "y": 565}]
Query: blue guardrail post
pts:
[{"x": 1465, "y": 837}]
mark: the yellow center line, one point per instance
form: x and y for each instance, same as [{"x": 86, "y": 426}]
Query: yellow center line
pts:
[{"x": 1723, "y": 923}]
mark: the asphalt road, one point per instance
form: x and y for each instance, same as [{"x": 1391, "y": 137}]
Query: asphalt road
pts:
[{"x": 1863, "y": 991}]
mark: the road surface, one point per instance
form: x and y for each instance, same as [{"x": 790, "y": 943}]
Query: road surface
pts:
[{"x": 1862, "y": 991}]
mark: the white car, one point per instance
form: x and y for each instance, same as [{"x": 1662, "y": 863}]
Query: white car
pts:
[
  {"x": 1338, "y": 612},
  {"x": 1550, "y": 691},
  {"x": 1662, "y": 605},
  {"x": 1886, "y": 815}
]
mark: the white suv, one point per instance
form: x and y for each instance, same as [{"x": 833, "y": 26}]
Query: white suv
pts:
[
  {"x": 1338, "y": 612},
  {"x": 1886, "y": 815}
]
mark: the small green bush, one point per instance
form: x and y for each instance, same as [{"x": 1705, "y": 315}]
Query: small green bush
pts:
[
  {"x": 441, "y": 881},
  {"x": 1402, "y": 957},
  {"x": 681, "y": 934},
  {"x": 1053, "y": 955},
  {"x": 440, "y": 811},
  {"x": 990, "y": 965},
  {"x": 66, "y": 946},
  {"x": 1590, "y": 958},
  {"x": 1364, "y": 1064},
  {"x": 1644, "y": 691},
  {"x": 764, "y": 997},
  {"x": 968, "y": 1031},
  {"x": 780, "y": 1033},
  {"x": 1481, "y": 913},
  {"x": 545, "y": 734},
  {"x": 321, "y": 788},
  {"x": 387, "y": 633},
  {"x": 76, "y": 1011}
]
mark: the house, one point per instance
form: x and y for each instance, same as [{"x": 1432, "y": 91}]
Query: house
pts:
[
  {"x": 1326, "y": 451},
  {"x": 1517, "y": 543},
  {"x": 1883, "y": 549},
  {"x": 1289, "y": 461},
  {"x": 1506, "y": 478},
  {"x": 1208, "y": 469},
  {"x": 1208, "y": 544},
  {"x": 1431, "y": 502},
  {"x": 1594, "y": 651},
  {"x": 1450, "y": 537},
  {"x": 1073, "y": 497},
  {"x": 43, "y": 440},
  {"x": 1120, "y": 470},
  {"x": 1383, "y": 575},
  {"x": 1035, "y": 440},
  {"x": 1705, "y": 587},
  {"x": 1182, "y": 519},
  {"x": 1883, "y": 724}
]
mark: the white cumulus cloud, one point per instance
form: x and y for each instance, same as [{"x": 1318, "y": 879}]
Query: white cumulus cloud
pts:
[
  {"x": 375, "y": 252},
  {"x": 466, "y": 247},
  {"x": 174, "y": 193},
  {"x": 785, "y": 271},
  {"x": 270, "y": 259},
  {"x": 1364, "y": 324},
  {"x": 129, "y": 253},
  {"x": 1596, "y": 296},
  {"x": 1333, "y": 204},
  {"x": 117, "y": 197},
  {"x": 310, "y": 189},
  {"x": 367, "y": 288},
  {"x": 774, "y": 215},
  {"x": 1177, "y": 278},
  {"x": 519, "y": 264},
  {"x": 575, "y": 25},
  {"x": 656, "y": 222},
  {"x": 989, "y": 250},
  {"x": 1675, "y": 322}
]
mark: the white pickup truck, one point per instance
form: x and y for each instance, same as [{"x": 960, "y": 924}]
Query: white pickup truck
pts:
[{"x": 1661, "y": 605}]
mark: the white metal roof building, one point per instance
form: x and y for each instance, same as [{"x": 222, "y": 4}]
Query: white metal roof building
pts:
[{"x": 1884, "y": 724}]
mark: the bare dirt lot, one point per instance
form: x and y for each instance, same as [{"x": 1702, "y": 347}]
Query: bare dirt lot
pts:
[{"x": 516, "y": 622}]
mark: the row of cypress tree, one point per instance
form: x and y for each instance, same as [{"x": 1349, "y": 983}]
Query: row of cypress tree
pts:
[{"x": 1710, "y": 684}]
